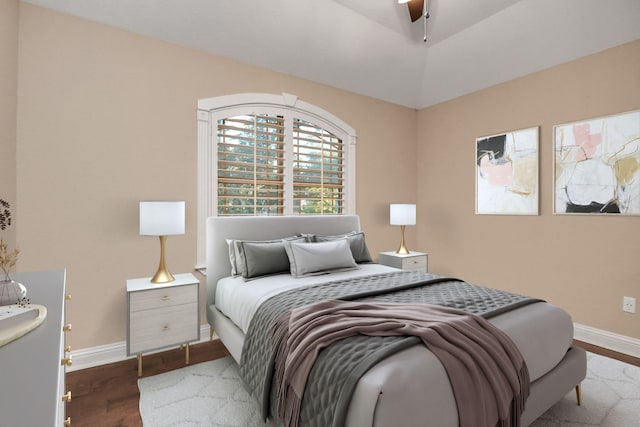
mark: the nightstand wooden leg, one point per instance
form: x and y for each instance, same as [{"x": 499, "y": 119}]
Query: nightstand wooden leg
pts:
[
  {"x": 578, "y": 399},
  {"x": 210, "y": 333},
  {"x": 139, "y": 364},
  {"x": 186, "y": 354}
]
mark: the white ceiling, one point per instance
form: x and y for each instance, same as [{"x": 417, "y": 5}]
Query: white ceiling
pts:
[{"x": 370, "y": 46}]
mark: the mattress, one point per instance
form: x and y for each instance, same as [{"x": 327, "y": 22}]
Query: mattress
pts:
[{"x": 542, "y": 331}]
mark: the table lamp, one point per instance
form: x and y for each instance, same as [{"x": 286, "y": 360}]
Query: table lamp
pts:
[
  {"x": 402, "y": 215},
  {"x": 162, "y": 218}
]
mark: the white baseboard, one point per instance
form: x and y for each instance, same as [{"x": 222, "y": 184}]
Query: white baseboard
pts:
[
  {"x": 110, "y": 353},
  {"x": 608, "y": 340},
  {"x": 117, "y": 352}
]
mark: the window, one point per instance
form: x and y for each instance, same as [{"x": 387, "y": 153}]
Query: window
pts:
[
  {"x": 250, "y": 165},
  {"x": 318, "y": 170},
  {"x": 261, "y": 154}
]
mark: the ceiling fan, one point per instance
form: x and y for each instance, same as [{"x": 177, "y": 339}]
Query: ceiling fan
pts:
[{"x": 418, "y": 9}]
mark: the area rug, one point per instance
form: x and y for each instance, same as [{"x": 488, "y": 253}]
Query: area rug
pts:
[{"x": 211, "y": 394}]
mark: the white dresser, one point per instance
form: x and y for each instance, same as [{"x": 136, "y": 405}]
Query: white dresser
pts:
[
  {"x": 32, "y": 368},
  {"x": 162, "y": 314}
]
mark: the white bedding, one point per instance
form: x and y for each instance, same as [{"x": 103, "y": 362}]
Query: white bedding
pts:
[{"x": 239, "y": 300}]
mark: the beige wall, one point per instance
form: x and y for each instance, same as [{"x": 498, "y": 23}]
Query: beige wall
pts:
[
  {"x": 9, "y": 11},
  {"x": 582, "y": 263},
  {"x": 107, "y": 118}
]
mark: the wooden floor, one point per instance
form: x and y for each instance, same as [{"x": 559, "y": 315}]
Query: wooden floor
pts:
[{"x": 108, "y": 395}]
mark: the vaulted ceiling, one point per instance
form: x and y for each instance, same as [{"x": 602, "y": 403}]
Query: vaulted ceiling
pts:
[{"x": 371, "y": 47}]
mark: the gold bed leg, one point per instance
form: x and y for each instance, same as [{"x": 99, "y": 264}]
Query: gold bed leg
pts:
[
  {"x": 185, "y": 347},
  {"x": 139, "y": 364},
  {"x": 210, "y": 333},
  {"x": 578, "y": 395}
]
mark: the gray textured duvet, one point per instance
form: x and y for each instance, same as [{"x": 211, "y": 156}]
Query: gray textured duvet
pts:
[{"x": 338, "y": 368}]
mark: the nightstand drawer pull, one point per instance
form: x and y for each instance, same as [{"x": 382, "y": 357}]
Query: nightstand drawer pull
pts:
[
  {"x": 66, "y": 397},
  {"x": 66, "y": 361},
  {"x": 67, "y": 297},
  {"x": 66, "y": 328},
  {"x": 165, "y": 328},
  {"x": 67, "y": 349},
  {"x": 165, "y": 298},
  {"x": 67, "y": 422}
]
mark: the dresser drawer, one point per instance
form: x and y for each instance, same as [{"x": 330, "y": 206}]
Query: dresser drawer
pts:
[
  {"x": 164, "y": 297},
  {"x": 415, "y": 263},
  {"x": 151, "y": 329}
]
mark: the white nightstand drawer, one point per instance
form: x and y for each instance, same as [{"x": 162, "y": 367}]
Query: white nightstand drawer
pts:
[
  {"x": 163, "y": 297},
  {"x": 415, "y": 263},
  {"x": 151, "y": 329}
]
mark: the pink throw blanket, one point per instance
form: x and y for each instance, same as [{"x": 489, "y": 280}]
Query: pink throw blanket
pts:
[{"x": 489, "y": 378}]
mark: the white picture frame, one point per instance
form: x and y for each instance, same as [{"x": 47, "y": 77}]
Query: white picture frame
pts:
[
  {"x": 597, "y": 166},
  {"x": 507, "y": 173}
]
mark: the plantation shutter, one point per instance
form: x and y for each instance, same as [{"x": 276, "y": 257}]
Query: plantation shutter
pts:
[
  {"x": 318, "y": 170},
  {"x": 250, "y": 165}
]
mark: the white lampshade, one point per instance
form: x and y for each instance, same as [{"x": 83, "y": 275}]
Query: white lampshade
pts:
[
  {"x": 403, "y": 214},
  {"x": 161, "y": 218}
]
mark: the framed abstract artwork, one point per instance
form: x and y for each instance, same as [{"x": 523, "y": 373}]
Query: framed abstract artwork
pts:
[
  {"x": 597, "y": 166},
  {"x": 507, "y": 173}
]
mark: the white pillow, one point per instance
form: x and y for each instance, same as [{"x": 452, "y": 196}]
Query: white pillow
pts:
[
  {"x": 322, "y": 257},
  {"x": 233, "y": 257}
]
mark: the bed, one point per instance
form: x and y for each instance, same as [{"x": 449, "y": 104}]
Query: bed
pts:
[{"x": 409, "y": 387}]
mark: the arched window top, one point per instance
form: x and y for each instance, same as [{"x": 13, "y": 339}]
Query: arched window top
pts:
[{"x": 244, "y": 102}]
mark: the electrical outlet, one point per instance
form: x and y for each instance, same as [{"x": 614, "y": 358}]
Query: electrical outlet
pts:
[{"x": 629, "y": 304}]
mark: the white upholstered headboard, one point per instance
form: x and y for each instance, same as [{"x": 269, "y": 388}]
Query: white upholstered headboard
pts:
[{"x": 219, "y": 229}]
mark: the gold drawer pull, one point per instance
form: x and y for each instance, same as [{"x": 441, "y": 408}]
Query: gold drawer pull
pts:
[
  {"x": 67, "y": 349},
  {"x": 66, "y": 397},
  {"x": 67, "y": 422},
  {"x": 67, "y": 327},
  {"x": 66, "y": 361},
  {"x": 165, "y": 328},
  {"x": 165, "y": 298},
  {"x": 67, "y": 297}
]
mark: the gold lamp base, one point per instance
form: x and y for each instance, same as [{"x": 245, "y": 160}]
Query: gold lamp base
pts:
[
  {"x": 402, "y": 250},
  {"x": 162, "y": 275}
]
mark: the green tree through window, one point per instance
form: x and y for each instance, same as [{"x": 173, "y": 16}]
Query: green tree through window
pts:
[{"x": 252, "y": 174}]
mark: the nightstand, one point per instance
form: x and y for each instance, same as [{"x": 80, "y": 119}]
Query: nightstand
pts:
[
  {"x": 162, "y": 315},
  {"x": 413, "y": 261}
]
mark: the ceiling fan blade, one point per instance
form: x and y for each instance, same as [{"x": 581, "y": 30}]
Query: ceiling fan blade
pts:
[{"x": 415, "y": 9}]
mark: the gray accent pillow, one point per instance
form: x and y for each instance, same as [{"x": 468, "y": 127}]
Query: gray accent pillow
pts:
[
  {"x": 314, "y": 258},
  {"x": 254, "y": 259},
  {"x": 357, "y": 244}
]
